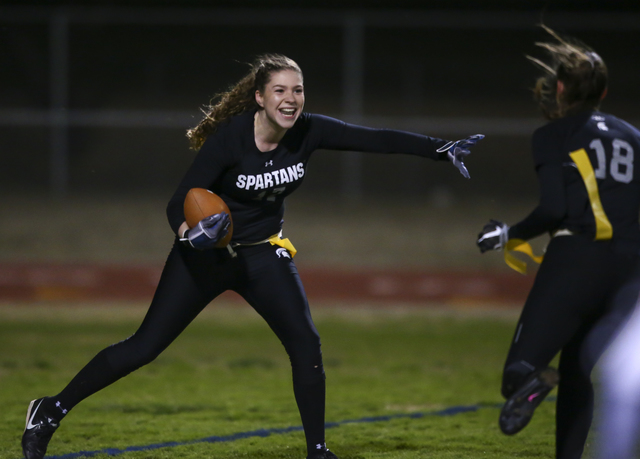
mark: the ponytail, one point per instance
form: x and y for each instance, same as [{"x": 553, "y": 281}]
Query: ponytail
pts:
[
  {"x": 240, "y": 97},
  {"x": 582, "y": 72}
]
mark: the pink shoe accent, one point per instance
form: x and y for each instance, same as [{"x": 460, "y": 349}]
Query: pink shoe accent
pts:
[{"x": 532, "y": 396}]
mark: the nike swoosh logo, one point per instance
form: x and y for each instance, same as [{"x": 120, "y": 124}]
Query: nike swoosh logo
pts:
[{"x": 29, "y": 425}]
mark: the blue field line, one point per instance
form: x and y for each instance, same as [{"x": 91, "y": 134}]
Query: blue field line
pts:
[{"x": 451, "y": 411}]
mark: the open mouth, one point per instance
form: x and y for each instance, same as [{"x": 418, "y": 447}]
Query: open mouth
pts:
[{"x": 288, "y": 112}]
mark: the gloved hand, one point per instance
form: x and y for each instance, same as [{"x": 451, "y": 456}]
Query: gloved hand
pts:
[
  {"x": 458, "y": 150},
  {"x": 494, "y": 236},
  {"x": 206, "y": 234}
]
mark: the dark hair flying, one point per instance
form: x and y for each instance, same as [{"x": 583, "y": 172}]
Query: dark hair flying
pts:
[{"x": 580, "y": 69}]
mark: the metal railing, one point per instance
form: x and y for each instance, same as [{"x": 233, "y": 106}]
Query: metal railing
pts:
[{"x": 59, "y": 118}]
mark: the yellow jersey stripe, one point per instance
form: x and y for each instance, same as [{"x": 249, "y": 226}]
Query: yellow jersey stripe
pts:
[{"x": 604, "y": 230}]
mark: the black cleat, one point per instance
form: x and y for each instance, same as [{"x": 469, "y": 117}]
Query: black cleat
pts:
[
  {"x": 518, "y": 409},
  {"x": 37, "y": 432},
  {"x": 322, "y": 454}
]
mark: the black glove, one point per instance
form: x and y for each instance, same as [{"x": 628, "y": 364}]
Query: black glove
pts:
[
  {"x": 494, "y": 236},
  {"x": 206, "y": 234},
  {"x": 458, "y": 150}
]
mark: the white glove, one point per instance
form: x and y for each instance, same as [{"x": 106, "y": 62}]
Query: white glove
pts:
[
  {"x": 494, "y": 236},
  {"x": 206, "y": 234},
  {"x": 458, "y": 150}
]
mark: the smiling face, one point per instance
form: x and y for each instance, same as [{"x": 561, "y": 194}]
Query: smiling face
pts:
[{"x": 282, "y": 99}]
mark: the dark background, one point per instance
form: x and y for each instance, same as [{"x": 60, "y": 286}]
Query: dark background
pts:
[{"x": 443, "y": 68}]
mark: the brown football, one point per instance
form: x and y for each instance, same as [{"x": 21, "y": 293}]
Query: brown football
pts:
[{"x": 201, "y": 203}]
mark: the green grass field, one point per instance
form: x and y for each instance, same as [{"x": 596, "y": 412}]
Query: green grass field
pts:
[{"x": 228, "y": 374}]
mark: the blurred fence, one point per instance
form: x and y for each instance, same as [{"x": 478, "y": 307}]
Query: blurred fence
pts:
[
  {"x": 95, "y": 103},
  {"x": 97, "y": 99}
]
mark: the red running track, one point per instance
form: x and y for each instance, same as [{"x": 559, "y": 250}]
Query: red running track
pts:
[{"x": 98, "y": 282}]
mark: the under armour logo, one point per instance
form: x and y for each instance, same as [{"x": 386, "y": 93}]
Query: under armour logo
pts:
[
  {"x": 268, "y": 163},
  {"x": 60, "y": 406},
  {"x": 602, "y": 126},
  {"x": 282, "y": 252}
]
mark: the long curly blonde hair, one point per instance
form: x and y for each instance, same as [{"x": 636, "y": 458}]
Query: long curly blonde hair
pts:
[
  {"x": 581, "y": 70},
  {"x": 240, "y": 97}
]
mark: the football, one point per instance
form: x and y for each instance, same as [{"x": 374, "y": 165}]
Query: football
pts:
[{"x": 201, "y": 203}]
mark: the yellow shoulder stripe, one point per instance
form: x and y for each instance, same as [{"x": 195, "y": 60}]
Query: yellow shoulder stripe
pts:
[{"x": 604, "y": 230}]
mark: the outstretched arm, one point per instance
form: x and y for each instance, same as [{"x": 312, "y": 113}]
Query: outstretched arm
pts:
[{"x": 338, "y": 135}]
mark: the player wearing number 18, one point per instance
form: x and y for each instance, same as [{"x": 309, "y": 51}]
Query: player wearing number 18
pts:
[
  {"x": 253, "y": 149},
  {"x": 590, "y": 204}
]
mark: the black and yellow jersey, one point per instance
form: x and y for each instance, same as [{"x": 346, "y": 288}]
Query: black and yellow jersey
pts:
[{"x": 589, "y": 184}]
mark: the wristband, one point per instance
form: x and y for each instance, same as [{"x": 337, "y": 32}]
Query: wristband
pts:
[{"x": 184, "y": 239}]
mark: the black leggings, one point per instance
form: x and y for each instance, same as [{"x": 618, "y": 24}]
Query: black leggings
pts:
[
  {"x": 266, "y": 277},
  {"x": 574, "y": 306}
]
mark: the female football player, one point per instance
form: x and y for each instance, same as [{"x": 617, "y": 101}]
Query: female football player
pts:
[
  {"x": 253, "y": 149},
  {"x": 589, "y": 203}
]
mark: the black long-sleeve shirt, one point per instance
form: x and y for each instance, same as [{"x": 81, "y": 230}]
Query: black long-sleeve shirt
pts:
[
  {"x": 254, "y": 184},
  {"x": 611, "y": 145}
]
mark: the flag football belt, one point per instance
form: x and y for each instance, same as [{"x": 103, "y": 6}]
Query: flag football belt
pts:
[
  {"x": 276, "y": 239},
  {"x": 604, "y": 229},
  {"x": 518, "y": 245}
]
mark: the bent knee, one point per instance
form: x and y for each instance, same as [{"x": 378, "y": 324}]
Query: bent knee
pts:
[{"x": 304, "y": 348}]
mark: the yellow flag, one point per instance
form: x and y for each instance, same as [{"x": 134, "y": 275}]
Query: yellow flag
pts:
[{"x": 518, "y": 245}]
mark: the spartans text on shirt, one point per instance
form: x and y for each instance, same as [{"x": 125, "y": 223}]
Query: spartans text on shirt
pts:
[{"x": 271, "y": 179}]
